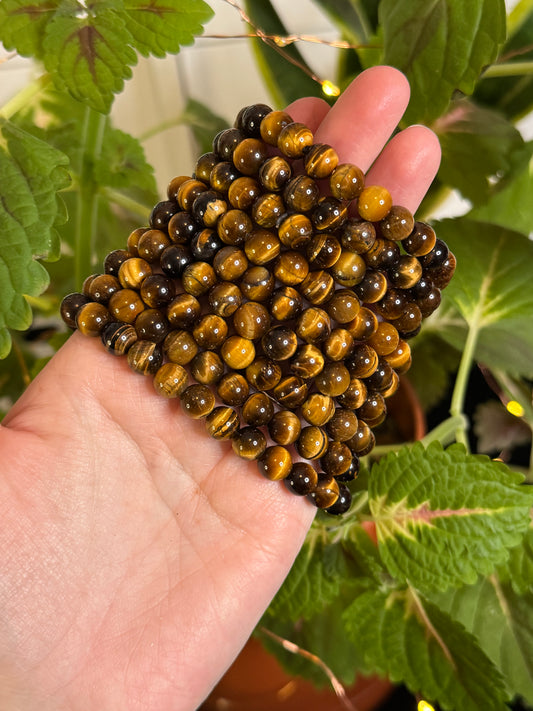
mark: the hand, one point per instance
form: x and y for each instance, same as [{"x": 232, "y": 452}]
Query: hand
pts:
[{"x": 137, "y": 554}]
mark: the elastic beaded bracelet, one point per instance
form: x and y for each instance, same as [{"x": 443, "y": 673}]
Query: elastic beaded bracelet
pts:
[{"x": 277, "y": 313}]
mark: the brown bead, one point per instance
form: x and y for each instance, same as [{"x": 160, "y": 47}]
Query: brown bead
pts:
[
  {"x": 70, "y": 306},
  {"x": 258, "y": 410},
  {"x": 225, "y": 298},
  {"x": 408, "y": 324},
  {"x": 430, "y": 302},
  {"x": 145, "y": 357},
  {"x": 183, "y": 311},
  {"x": 307, "y": 362},
  {"x": 157, "y": 291},
  {"x": 198, "y": 278},
  {"x": 161, "y": 214},
  {"x": 174, "y": 260},
  {"x": 295, "y": 230},
  {"x": 151, "y": 325},
  {"x": 188, "y": 191},
  {"x": 337, "y": 460},
  {"x": 280, "y": 343},
  {"x": 207, "y": 367},
  {"x": 257, "y": 284},
  {"x": 275, "y": 173},
  {"x": 326, "y": 491},
  {"x": 372, "y": 288},
  {"x": 329, "y": 214},
  {"x": 284, "y": 427},
  {"x": 343, "y": 306},
  {"x": 249, "y": 119},
  {"x": 226, "y": 141},
  {"x": 302, "y": 479},
  {"x": 174, "y": 184},
  {"x": 312, "y": 442},
  {"x": 263, "y": 374},
  {"x": 294, "y": 139},
  {"x": 197, "y": 401},
  {"x": 276, "y": 463},
  {"x": 291, "y": 268},
  {"x": 92, "y": 318},
  {"x": 272, "y": 125},
  {"x": 349, "y": 269},
  {"x": 323, "y": 250},
  {"x": 301, "y": 194},
  {"x": 354, "y": 395},
  {"x": 317, "y": 287},
  {"x": 381, "y": 378},
  {"x": 87, "y": 284},
  {"x": 133, "y": 271},
  {"x": 291, "y": 391},
  {"x": 333, "y": 380},
  {"x": 358, "y": 236},
  {"x": 373, "y": 411},
  {"x": 210, "y": 332},
  {"x": 346, "y": 182},
  {"x": 320, "y": 161},
  {"x": 170, "y": 380},
  {"x": 383, "y": 254},
  {"x": 152, "y": 244},
  {"x": 180, "y": 347},
  {"x": 392, "y": 387},
  {"x": 133, "y": 241},
  {"x": 385, "y": 339},
  {"x": 399, "y": 356},
  {"x": 421, "y": 240},
  {"x": 234, "y": 227},
  {"x": 233, "y": 389},
  {"x": 314, "y": 325},
  {"x": 286, "y": 304},
  {"x": 338, "y": 345},
  {"x": 243, "y": 192},
  {"x": 205, "y": 244},
  {"x": 398, "y": 224},
  {"x": 374, "y": 203},
  {"x": 343, "y": 425},
  {"x": 363, "y": 440},
  {"x": 182, "y": 228},
  {"x": 204, "y": 165},
  {"x": 251, "y": 320},
  {"x": 249, "y": 443},
  {"x": 102, "y": 288},
  {"x": 125, "y": 305},
  {"x": 118, "y": 337},
  {"x": 406, "y": 272},
  {"x": 267, "y": 209},
  {"x": 238, "y": 352},
  {"x": 230, "y": 263},
  {"x": 392, "y": 305},
  {"x": 262, "y": 246},
  {"x": 363, "y": 361},
  {"x": 442, "y": 274},
  {"x": 318, "y": 409},
  {"x": 223, "y": 176},
  {"x": 249, "y": 155},
  {"x": 209, "y": 207},
  {"x": 363, "y": 325},
  {"x": 437, "y": 256},
  {"x": 222, "y": 423}
]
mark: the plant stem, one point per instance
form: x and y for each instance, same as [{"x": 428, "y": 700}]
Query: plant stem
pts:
[
  {"x": 461, "y": 383},
  {"x": 23, "y": 97},
  {"x": 445, "y": 431},
  {"x": 508, "y": 69},
  {"x": 87, "y": 203},
  {"x": 118, "y": 198}
]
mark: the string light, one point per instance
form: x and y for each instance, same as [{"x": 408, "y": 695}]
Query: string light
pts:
[
  {"x": 515, "y": 408},
  {"x": 425, "y": 706},
  {"x": 329, "y": 88}
]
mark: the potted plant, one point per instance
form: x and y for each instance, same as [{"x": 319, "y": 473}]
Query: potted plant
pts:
[{"x": 439, "y": 596}]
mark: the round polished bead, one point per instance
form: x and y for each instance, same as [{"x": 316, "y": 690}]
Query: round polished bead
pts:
[
  {"x": 208, "y": 207},
  {"x": 234, "y": 227},
  {"x": 400, "y": 356},
  {"x": 307, "y": 362},
  {"x": 301, "y": 194},
  {"x": 70, "y": 306},
  {"x": 226, "y": 141},
  {"x": 275, "y": 173},
  {"x": 410, "y": 322},
  {"x": 238, "y": 352},
  {"x": 358, "y": 236},
  {"x": 343, "y": 425},
  {"x": 233, "y": 389},
  {"x": 170, "y": 380},
  {"x": 280, "y": 343},
  {"x": 291, "y": 268},
  {"x": 198, "y": 278},
  {"x": 343, "y": 306},
  {"x": 114, "y": 259},
  {"x": 421, "y": 240},
  {"x": 374, "y": 203},
  {"x": 257, "y": 284},
  {"x": 262, "y": 246},
  {"x": 151, "y": 245},
  {"x": 222, "y": 177},
  {"x": 392, "y": 305},
  {"x": 323, "y": 250},
  {"x": 294, "y": 139},
  {"x": 374, "y": 410},
  {"x": 151, "y": 325},
  {"x": 222, "y": 423},
  {"x": 318, "y": 409},
  {"x": 182, "y": 228},
  {"x": 421, "y": 289},
  {"x": 302, "y": 478},
  {"x": 197, "y": 401},
  {"x": 174, "y": 260},
  {"x": 337, "y": 460},
  {"x": 398, "y": 224},
  {"x": 249, "y": 155},
  {"x": 295, "y": 230},
  {"x": 326, "y": 491},
  {"x": 251, "y": 118},
  {"x": 183, "y": 311},
  {"x": 285, "y": 304},
  {"x": 392, "y": 387},
  {"x": 210, "y": 332},
  {"x": 363, "y": 325},
  {"x": 225, "y": 298},
  {"x": 133, "y": 271},
  {"x": 251, "y": 320},
  {"x": 249, "y": 443},
  {"x": 188, "y": 192},
  {"x": 291, "y": 391},
  {"x": 243, "y": 192},
  {"x": 118, "y": 337},
  {"x": 180, "y": 347},
  {"x": 263, "y": 373},
  {"x": 343, "y": 502},
  {"x": 441, "y": 275},
  {"x": 363, "y": 361},
  {"x": 161, "y": 214},
  {"x": 437, "y": 256},
  {"x": 363, "y": 440},
  {"x": 230, "y": 263},
  {"x": 205, "y": 244},
  {"x": 354, "y": 395},
  {"x": 333, "y": 379},
  {"x": 157, "y": 291},
  {"x": 405, "y": 272},
  {"x": 272, "y": 125},
  {"x": 258, "y": 410},
  {"x": 329, "y": 214},
  {"x": 346, "y": 182},
  {"x": 381, "y": 378},
  {"x": 284, "y": 427},
  {"x": 312, "y": 442},
  {"x": 204, "y": 165},
  {"x": 349, "y": 269},
  {"x": 385, "y": 339},
  {"x": 317, "y": 287},
  {"x": 102, "y": 287},
  {"x": 320, "y": 160},
  {"x": 174, "y": 185},
  {"x": 314, "y": 325},
  {"x": 125, "y": 305},
  {"x": 338, "y": 345},
  {"x": 372, "y": 288},
  {"x": 276, "y": 463},
  {"x": 207, "y": 367},
  {"x": 91, "y": 318},
  {"x": 145, "y": 357},
  {"x": 383, "y": 254}
]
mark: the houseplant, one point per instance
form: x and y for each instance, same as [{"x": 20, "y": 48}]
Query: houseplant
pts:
[{"x": 444, "y": 602}]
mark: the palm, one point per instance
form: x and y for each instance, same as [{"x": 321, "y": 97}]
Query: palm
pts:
[{"x": 140, "y": 553}]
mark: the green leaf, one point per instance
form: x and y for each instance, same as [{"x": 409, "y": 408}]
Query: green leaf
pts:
[
  {"x": 502, "y": 622},
  {"x": 23, "y": 24},
  {"x": 31, "y": 173},
  {"x": 496, "y": 429},
  {"x": 350, "y": 17},
  {"x": 491, "y": 291},
  {"x": 409, "y": 639},
  {"x": 518, "y": 571},
  {"x": 434, "y": 361},
  {"x": 444, "y": 516},
  {"x": 442, "y": 46},
  {"x": 122, "y": 163}
]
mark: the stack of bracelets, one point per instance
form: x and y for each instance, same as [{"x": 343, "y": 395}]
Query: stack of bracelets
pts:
[{"x": 271, "y": 311}]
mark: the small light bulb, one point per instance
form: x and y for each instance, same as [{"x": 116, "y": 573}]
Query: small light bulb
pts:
[
  {"x": 515, "y": 408},
  {"x": 329, "y": 88},
  {"x": 424, "y": 706}
]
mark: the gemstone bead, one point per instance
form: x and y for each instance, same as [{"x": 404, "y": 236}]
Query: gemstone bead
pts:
[
  {"x": 286, "y": 304},
  {"x": 312, "y": 442},
  {"x": 197, "y": 401},
  {"x": 238, "y": 352},
  {"x": 249, "y": 443},
  {"x": 374, "y": 203},
  {"x": 183, "y": 311},
  {"x": 272, "y": 125},
  {"x": 180, "y": 347},
  {"x": 320, "y": 160},
  {"x": 132, "y": 272},
  {"x": 70, "y": 306},
  {"x": 284, "y": 427},
  {"x": 280, "y": 343},
  {"x": 326, "y": 491},
  {"x": 118, "y": 337},
  {"x": 233, "y": 389},
  {"x": 302, "y": 479},
  {"x": 294, "y": 139},
  {"x": 275, "y": 463},
  {"x": 291, "y": 391},
  {"x": 207, "y": 367},
  {"x": 222, "y": 423},
  {"x": 318, "y": 409},
  {"x": 263, "y": 374},
  {"x": 258, "y": 409},
  {"x": 125, "y": 305},
  {"x": 337, "y": 459},
  {"x": 398, "y": 224},
  {"x": 346, "y": 182},
  {"x": 170, "y": 380},
  {"x": 145, "y": 357},
  {"x": 210, "y": 332},
  {"x": 343, "y": 425},
  {"x": 91, "y": 318}
]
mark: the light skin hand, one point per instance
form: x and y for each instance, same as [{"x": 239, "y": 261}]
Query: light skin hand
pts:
[{"x": 137, "y": 554}]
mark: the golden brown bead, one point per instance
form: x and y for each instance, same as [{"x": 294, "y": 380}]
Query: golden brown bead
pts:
[
  {"x": 363, "y": 325},
  {"x": 354, "y": 395},
  {"x": 209, "y": 207},
  {"x": 349, "y": 269},
  {"x": 358, "y": 236},
  {"x": 170, "y": 380},
  {"x": 392, "y": 304},
  {"x": 125, "y": 305},
  {"x": 430, "y": 302},
  {"x": 188, "y": 191},
  {"x": 157, "y": 291},
  {"x": 275, "y": 173},
  {"x": 102, "y": 288},
  {"x": 257, "y": 284},
  {"x": 233, "y": 389},
  {"x": 284, "y": 427},
  {"x": 409, "y": 323},
  {"x": 197, "y": 401},
  {"x": 338, "y": 344},
  {"x": 118, "y": 337},
  {"x": 222, "y": 177},
  {"x": 243, "y": 192},
  {"x": 295, "y": 231},
  {"x": 180, "y": 347},
  {"x": 133, "y": 241},
  {"x": 294, "y": 139},
  {"x": 320, "y": 161},
  {"x": 183, "y": 311},
  {"x": 204, "y": 165},
  {"x": 329, "y": 214},
  {"x": 312, "y": 442},
  {"x": 257, "y": 410},
  {"x": 198, "y": 278},
  {"x": 276, "y": 463},
  {"x": 343, "y": 306},
  {"x": 385, "y": 339},
  {"x": 343, "y": 425},
  {"x": 226, "y": 141},
  {"x": 222, "y": 423},
  {"x": 114, "y": 259},
  {"x": 437, "y": 256},
  {"x": 302, "y": 479},
  {"x": 145, "y": 357},
  {"x": 92, "y": 318},
  {"x": 346, "y": 182},
  {"x": 372, "y": 288},
  {"x": 280, "y": 343},
  {"x": 374, "y": 203},
  {"x": 398, "y": 224},
  {"x": 225, "y": 298},
  {"x": 373, "y": 411},
  {"x": 234, "y": 227},
  {"x": 182, "y": 228},
  {"x": 337, "y": 460},
  {"x": 399, "y": 356},
  {"x": 251, "y": 118},
  {"x": 323, "y": 250},
  {"x": 251, "y": 320},
  {"x": 286, "y": 304},
  {"x": 238, "y": 352},
  {"x": 392, "y": 387},
  {"x": 267, "y": 209},
  {"x": 272, "y": 125},
  {"x": 230, "y": 263},
  {"x": 291, "y": 391},
  {"x": 174, "y": 260},
  {"x": 363, "y": 361},
  {"x": 262, "y": 246},
  {"x": 174, "y": 184},
  {"x": 291, "y": 268},
  {"x": 318, "y": 409},
  {"x": 249, "y": 155},
  {"x": 133, "y": 271},
  {"x": 381, "y": 378},
  {"x": 442, "y": 274},
  {"x": 406, "y": 272},
  {"x": 301, "y": 194},
  {"x": 249, "y": 443},
  {"x": 317, "y": 287},
  {"x": 210, "y": 332},
  {"x": 326, "y": 491},
  {"x": 307, "y": 362},
  {"x": 161, "y": 214},
  {"x": 421, "y": 240},
  {"x": 383, "y": 254},
  {"x": 363, "y": 440},
  {"x": 263, "y": 374},
  {"x": 151, "y": 245},
  {"x": 314, "y": 325},
  {"x": 333, "y": 380},
  {"x": 151, "y": 325}
]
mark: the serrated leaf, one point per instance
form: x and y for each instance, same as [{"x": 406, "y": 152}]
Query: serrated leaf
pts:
[
  {"x": 518, "y": 571},
  {"x": 442, "y": 46},
  {"x": 502, "y": 622},
  {"x": 444, "y": 516},
  {"x": 31, "y": 173},
  {"x": 496, "y": 429},
  {"x": 412, "y": 641},
  {"x": 22, "y": 24},
  {"x": 491, "y": 290}
]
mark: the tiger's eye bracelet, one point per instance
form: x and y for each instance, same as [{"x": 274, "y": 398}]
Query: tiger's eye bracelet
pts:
[{"x": 268, "y": 305}]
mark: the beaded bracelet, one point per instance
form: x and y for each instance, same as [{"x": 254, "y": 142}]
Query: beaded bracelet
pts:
[{"x": 254, "y": 296}]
